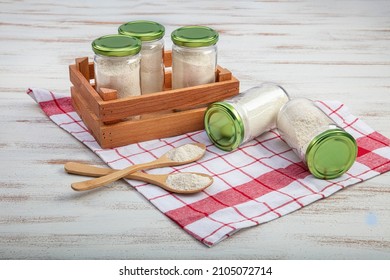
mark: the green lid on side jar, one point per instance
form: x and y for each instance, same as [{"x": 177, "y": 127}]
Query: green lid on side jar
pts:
[
  {"x": 224, "y": 126},
  {"x": 116, "y": 45},
  {"x": 194, "y": 36},
  {"x": 143, "y": 30},
  {"x": 331, "y": 154}
]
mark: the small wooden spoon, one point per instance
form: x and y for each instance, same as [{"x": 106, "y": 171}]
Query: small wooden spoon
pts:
[
  {"x": 158, "y": 180},
  {"x": 163, "y": 161}
]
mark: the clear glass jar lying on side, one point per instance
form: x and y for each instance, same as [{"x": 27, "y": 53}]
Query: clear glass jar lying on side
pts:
[
  {"x": 152, "y": 52},
  {"x": 238, "y": 120},
  {"x": 117, "y": 64},
  {"x": 194, "y": 56},
  {"x": 327, "y": 149}
]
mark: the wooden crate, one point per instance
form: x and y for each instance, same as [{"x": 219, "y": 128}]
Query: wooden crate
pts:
[{"x": 161, "y": 114}]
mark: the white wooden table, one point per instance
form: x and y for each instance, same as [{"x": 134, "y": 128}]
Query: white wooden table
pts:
[{"x": 318, "y": 49}]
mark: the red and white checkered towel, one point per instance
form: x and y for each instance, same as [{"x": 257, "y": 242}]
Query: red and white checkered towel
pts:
[{"x": 261, "y": 181}]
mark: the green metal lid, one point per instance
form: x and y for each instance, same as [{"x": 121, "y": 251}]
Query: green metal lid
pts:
[
  {"x": 331, "y": 153},
  {"x": 224, "y": 126},
  {"x": 116, "y": 45},
  {"x": 194, "y": 36},
  {"x": 143, "y": 30}
]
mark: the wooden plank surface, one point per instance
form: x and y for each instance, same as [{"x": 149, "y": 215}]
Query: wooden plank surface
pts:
[{"x": 317, "y": 49}]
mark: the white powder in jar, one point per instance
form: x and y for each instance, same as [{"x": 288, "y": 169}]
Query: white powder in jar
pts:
[
  {"x": 186, "y": 152},
  {"x": 187, "y": 181},
  {"x": 193, "y": 67},
  {"x": 152, "y": 67},
  {"x": 299, "y": 122},
  {"x": 119, "y": 73}
]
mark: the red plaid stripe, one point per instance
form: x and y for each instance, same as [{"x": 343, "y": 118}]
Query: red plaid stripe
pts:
[
  {"x": 259, "y": 182},
  {"x": 57, "y": 106}
]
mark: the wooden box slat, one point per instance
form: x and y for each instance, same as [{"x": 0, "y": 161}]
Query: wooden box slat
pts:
[
  {"x": 164, "y": 125},
  {"x": 85, "y": 89},
  {"x": 170, "y": 99},
  {"x": 88, "y": 117},
  {"x": 83, "y": 66}
]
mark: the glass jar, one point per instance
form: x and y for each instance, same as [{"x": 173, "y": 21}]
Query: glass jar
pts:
[
  {"x": 152, "y": 52},
  {"x": 194, "y": 56},
  {"x": 327, "y": 149},
  {"x": 238, "y": 120},
  {"x": 117, "y": 64}
]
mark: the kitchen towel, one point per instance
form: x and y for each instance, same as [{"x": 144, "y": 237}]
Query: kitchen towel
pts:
[{"x": 261, "y": 181}]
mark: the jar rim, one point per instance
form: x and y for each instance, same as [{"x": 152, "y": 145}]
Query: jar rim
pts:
[
  {"x": 331, "y": 153},
  {"x": 194, "y": 36},
  {"x": 144, "y": 30},
  {"x": 224, "y": 126},
  {"x": 116, "y": 45}
]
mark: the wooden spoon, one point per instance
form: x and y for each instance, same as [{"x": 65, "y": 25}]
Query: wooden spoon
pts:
[
  {"x": 158, "y": 180},
  {"x": 163, "y": 161}
]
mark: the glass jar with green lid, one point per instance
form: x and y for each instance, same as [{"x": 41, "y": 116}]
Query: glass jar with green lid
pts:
[
  {"x": 240, "y": 119},
  {"x": 327, "y": 149},
  {"x": 152, "y": 52},
  {"x": 194, "y": 56},
  {"x": 117, "y": 64}
]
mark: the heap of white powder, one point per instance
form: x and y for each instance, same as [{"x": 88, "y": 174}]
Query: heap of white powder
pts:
[
  {"x": 186, "y": 152},
  {"x": 187, "y": 181}
]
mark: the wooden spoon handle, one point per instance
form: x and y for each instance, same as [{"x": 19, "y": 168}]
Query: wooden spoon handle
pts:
[
  {"x": 119, "y": 174},
  {"x": 163, "y": 161},
  {"x": 94, "y": 171},
  {"x": 86, "y": 169},
  {"x": 110, "y": 177},
  {"x": 90, "y": 170},
  {"x": 155, "y": 179}
]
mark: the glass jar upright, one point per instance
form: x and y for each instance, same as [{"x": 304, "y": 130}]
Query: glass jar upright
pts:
[
  {"x": 117, "y": 64},
  {"x": 194, "y": 56},
  {"x": 240, "y": 119},
  {"x": 152, "y": 52},
  {"x": 327, "y": 149}
]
